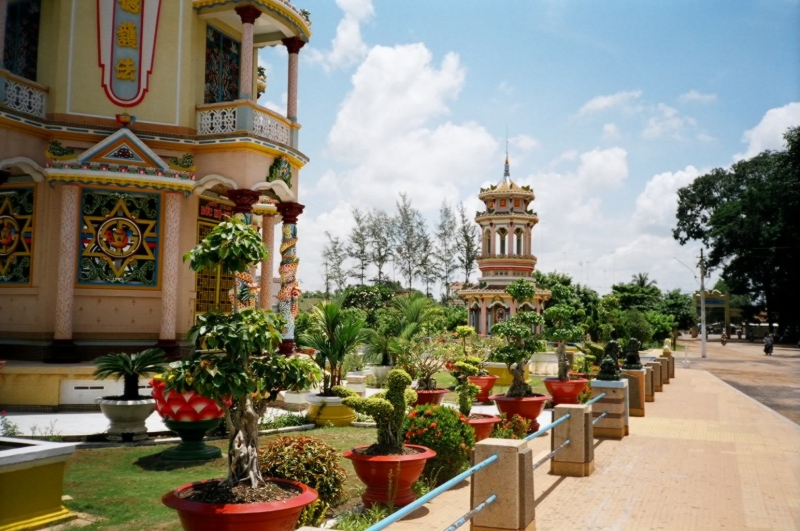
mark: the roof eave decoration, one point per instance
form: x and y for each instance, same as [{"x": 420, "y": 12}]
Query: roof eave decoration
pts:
[
  {"x": 295, "y": 18},
  {"x": 121, "y": 159}
]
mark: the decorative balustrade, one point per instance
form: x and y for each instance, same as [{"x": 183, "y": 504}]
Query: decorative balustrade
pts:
[
  {"x": 243, "y": 116},
  {"x": 23, "y": 95}
]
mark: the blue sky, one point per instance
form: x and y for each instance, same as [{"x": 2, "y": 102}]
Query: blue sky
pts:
[{"x": 610, "y": 106}]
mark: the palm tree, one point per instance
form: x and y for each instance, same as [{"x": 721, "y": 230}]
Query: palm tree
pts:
[
  {"x": 385, "y": 344},
  {"x": 642, "y": 280},
  {"x": 130, "y": 367},
  {"x": 333, "y": 335}
]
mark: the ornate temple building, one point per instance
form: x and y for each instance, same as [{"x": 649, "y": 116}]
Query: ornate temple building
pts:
[
  {"x": 506, "y": 236},
  {"x": 128, "y": 130}
]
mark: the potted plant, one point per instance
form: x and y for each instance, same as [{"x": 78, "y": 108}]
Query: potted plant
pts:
[
  {"x": 477, "y": 356},
  {"x": 445, "y": 431},
  {"x": 469, "y": 366},
  {"x": 565, "y": 390},
  {"x": 241, "y": 365},
  {"x": 426, "y": 357},
  {"x": 333, "y": 334},
  {"x": 188, "y": 414},
  {"x": 388, "y": 468},
  {"x": 127, "y": 413}
]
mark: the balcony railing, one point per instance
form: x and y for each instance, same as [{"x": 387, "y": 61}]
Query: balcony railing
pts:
[
  {"x": 243, "y": 116},
  {"x": 22, "y": 94}
]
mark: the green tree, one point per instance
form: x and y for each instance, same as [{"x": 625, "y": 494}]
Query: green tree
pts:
[
  {"x": 446, "y": 239},
  {"x": 467, "y": 243},
  {"x": 358, "y": 245},
  {"x": 747, "y": 216},
  {"x": 642, "y": 280},
  {"x": 681, "y": 307},
  {"x": 408, "y": 241},
  {"x": 634, "y": 297}
]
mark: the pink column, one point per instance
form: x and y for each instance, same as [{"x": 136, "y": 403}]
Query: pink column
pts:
[
  {"x": 528, "y": 240},
  {"x": 482, "y": 324},
  {"x": 67, "y": 261},
  {"x": 3, "y": 12},
  {"x": 170, "y": 271},
  {"x": 267, "y": 266},
  {"x": 494, "y": 244},
  {"x": 293, "y": 46},
  {"x": 510, "y": 240},
  {"x": 248, "y": 14}
]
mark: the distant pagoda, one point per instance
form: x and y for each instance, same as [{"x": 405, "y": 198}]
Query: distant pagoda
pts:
[{"x": 506, "y": 234}]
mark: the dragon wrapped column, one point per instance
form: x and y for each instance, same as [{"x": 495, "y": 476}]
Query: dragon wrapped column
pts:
[{"x": 289, "y": 294}]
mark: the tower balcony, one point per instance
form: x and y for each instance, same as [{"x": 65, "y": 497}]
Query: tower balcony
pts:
[
  {"x": 243, "y": 117},
  {"x": 22, "y": 94}
]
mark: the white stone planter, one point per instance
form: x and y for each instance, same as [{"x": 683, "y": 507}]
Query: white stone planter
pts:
[{"x": 126, "y": 417}]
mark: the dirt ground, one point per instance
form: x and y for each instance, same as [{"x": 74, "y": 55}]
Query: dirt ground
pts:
[{"x": 772, "y": 380}]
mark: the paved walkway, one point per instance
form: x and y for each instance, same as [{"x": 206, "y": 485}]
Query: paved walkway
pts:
[{"x": 705, "y": 457}]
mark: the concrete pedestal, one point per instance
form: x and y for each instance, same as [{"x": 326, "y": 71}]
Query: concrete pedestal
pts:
[
  {"x": 649, "y": 393},
  {"x": 658, "y": 377},
  {"x": 664, "y": 369},
  {"x": 577, "y": 458},
  {"x": 671, "y": 361},
  {"x": 615, "y": 404},
  {"x": 636, "y": 384},
  {"x": 510, "y": 478}
]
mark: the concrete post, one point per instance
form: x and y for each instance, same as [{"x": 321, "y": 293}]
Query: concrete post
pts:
[
  {"x": 615, "y": 405},
  {"x": 664, "y": 369},
  {"x": 671, "y": 361},
  {"x": 649, "y": 392},
  {"x": 63, "y": 349},
  {"x": 510, "y": 478},
  {"x": 577, "y": 458},
  {"x": 636, "y": 385},
  {"x": 657, "y": 369}
]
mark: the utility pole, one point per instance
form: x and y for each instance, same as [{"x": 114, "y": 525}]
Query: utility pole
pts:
[{"x": 702, "y": 305}]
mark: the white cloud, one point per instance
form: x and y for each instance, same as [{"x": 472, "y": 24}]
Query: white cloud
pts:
[
  {"x": 610, "y": 132},
  {"x": 347, "y": 47},
  {"x": 696, "y": 96},
  {"x": 658, "y": 202},
  {"x": 667, "y": 121},
  {"x": 523, "y": 142},
  {"x": 279, "y": 108},
  {"x": 768, "y": 134},
  {"x": 602, "y": 169},
  {"x": 602, "y": 103}
]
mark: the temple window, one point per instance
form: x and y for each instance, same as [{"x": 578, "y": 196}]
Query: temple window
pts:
[
  {"x": 222, "y": 67},
  {"x": 22, "y": 38},
  {"x": 516, "y": 203},
  {"x": 502, "y": 202}
]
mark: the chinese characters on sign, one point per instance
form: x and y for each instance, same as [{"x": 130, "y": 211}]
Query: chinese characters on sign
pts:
[
  {"x": 127, "y": 41},
  {"x": 213, "y": 210}
]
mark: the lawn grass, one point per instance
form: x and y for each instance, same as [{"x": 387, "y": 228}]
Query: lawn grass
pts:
[
  {"x": 125, "y": 485},
  {"x": 445, "y": 380}
]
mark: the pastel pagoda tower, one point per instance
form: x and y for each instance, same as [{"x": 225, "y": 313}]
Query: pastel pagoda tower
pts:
[{"x": 506, "y": 236}]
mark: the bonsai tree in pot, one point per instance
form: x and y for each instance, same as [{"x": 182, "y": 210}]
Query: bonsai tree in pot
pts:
[
  {"x": 470, "y": 367},
  {"x": 388, "y": 468},
  {"x": 560, "y": 328},
  {"x": 475, "y": 351},
  {"x": 426, "y": 357},
  {"x": 240, "y": 366},
  {"x": 127, "y": 413},
  {"x": 334, "y": 334}
]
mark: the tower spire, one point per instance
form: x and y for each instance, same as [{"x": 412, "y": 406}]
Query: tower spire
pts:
[{"x": 506, "y": 170}]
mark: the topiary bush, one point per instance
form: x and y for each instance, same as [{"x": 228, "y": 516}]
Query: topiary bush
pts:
[
  {"x": 446, "y": 432},
  {"x": 311, "y": 462},
  {"x": 387, "y": 408}
]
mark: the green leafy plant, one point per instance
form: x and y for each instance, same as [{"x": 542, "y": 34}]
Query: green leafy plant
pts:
[
  {"x": 334, "y": 334},
  {"x": 560, "y": 328},
  {"x": 426, "y": 357},
  {"x": 520, "y": 345},
  {"x": 244, "y": 375},
  {"x": 403, "y": 320},
  {"x": 130, "y": 367},
  {"x": 515, "y": 427},
  {"x": 8, "y": 428},
  {"x": 446, "y": 432},
  {"x": 353, "y": 362},
  {"x": 466, "y": 367},
  {"x": 288, "y": 420},
  {"x": 361, "y": 520},
  {"x": 311, "y": 462},
  {"x": 387, "y": 408}
]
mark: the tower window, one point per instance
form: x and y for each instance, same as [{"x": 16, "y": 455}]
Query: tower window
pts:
[
  {"x": 222, "y": 67},
  {"x": 22, "y": 38}
]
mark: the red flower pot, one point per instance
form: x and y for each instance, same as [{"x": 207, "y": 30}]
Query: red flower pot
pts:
[
  {"x": 565, "y": 392},
  {"x": 387, "y": 475},
  {"x": 184, "y": 407},
  {"x": 486, "y": 383},
  {"x": 275, "y": 516},
  {"x": 529, "y": 407},
  {"x": 483, "y": 426},
  {"x": 434, "y": 397}
]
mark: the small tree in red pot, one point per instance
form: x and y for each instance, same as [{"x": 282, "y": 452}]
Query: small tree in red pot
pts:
[{"x": 560, "y": 328}]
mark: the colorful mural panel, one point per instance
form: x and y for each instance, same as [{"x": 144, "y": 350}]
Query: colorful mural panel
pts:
[
  {"x": 119, "y": 241},
  {"x": 222, "y": 67},
  {"x": 16, "y": 235}
]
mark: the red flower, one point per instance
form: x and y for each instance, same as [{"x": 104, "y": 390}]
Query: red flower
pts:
[
  {"x": 428, "y": 413},
  {"x": 412, "y": 414},
  {"x": 434, "y": 424},
  {"x": 463, "y": 446}
]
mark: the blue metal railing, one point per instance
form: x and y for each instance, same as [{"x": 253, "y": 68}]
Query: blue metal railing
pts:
[
  {"x": 598, "y": 419},
  {"x": 467, "y": 517},
  {"x": 547, "y": 428},
  {"x": 544, "y": 459},
  {"x": 411, "y": 507},
  {"x": 595, "y": 399}
]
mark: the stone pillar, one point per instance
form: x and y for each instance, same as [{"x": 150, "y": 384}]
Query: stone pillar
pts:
[
  {"x": 293, "y": 45},
  {"x": 615, "y": 405},
  {"x": 248, "y": 14},
  {"x": 63, "y": 349},
  {"x": 493, "y": 247},
  {"x": 510, "y": 240},
  {"x": 3, "y": 13},
  {"x": 289, "y": 295},
  {"x": 636, "y": 386},
  {"x": 170, "y": 271},
  {"x": 670, "y": 363},
  {"x": 482, "y": 324},
  {"x": 657, "y": 377},
  {"x": 267, "y": 266},
  {"x": 510, "y": 478},
  {"x": 577, "y": 458},
  {"x": 528, "y": 242},
  {"x": 649, "y": 392},
  {"x": 664, "y": 369}
]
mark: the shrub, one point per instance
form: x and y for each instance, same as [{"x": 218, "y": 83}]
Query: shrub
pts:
[
  {"x": 311, "y": 462},
  {"x": 283, "y": 421},
  {"x": 446, "y": 432},
  {"x": 361, "y": 520},
  {"x": 514, "y": 428}
]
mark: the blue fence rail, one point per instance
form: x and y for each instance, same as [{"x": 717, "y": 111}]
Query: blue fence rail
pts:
[
  {"x": 444, "y": 487},
  {"x": 547, "y": 428},
  {"x": 595, "y": 399}
]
